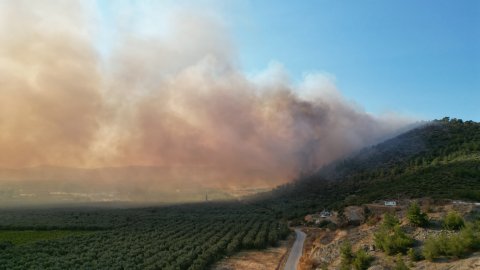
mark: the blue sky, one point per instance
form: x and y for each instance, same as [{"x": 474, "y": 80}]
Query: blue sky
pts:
[{"x": 418, "y": 58}]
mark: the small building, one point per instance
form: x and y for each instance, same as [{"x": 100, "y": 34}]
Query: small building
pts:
[
  {"x": 317, "y": 218},
  {"x": 325, "y": 214},
  {"x": 390, "y": 203}
]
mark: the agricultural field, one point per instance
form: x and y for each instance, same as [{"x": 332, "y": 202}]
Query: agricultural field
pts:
[
  {"x": 21, "y": 237},
  {"x": 176, "y": 237}
]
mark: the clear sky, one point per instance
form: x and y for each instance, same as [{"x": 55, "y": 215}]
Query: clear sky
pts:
[
  {"x": 421, "y": 58},
  {"x": 417, "y": 58}
]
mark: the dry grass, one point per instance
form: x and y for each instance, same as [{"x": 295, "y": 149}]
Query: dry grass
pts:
[{"x": 268, "y": 259}]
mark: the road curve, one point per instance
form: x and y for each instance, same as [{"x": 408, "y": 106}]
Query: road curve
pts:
[{"x": 296, "y": 251}]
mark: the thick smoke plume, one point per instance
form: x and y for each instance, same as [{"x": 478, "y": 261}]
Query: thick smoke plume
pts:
[{"x": 176, "y": 100}]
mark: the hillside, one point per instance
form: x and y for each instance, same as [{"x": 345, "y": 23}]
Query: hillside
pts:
[{"x": 440, "y": 159}]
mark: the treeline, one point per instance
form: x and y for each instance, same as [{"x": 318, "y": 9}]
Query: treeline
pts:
[{"x": 181, "y": 237}]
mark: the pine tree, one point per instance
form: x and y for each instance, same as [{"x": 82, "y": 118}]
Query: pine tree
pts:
[{"x": 416, "y": 216}]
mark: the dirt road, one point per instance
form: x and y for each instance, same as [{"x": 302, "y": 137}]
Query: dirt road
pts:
[{"x": 296, "y": 251}]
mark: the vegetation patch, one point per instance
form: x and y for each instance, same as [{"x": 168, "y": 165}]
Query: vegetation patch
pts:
[
  {"x": 416, "y": 217},
  {"x": 454, "y": 245},
  {"x": 391, "y": 238},
  {"x": 27, "y": 236},
  {"x": 189, "y": 236},
  {"x": 359, "y": 260},
  {"x": 453, "y": 221},
  {"x": 438, "y": 160}
]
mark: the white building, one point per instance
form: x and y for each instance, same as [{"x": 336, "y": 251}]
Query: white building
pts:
[{"x": 390, "y": 203}]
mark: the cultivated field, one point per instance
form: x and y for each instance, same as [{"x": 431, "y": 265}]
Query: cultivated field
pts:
[{"x": 176, "y": 237}]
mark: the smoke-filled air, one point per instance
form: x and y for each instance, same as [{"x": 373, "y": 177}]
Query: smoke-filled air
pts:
[{"x": 132, "y": 110}]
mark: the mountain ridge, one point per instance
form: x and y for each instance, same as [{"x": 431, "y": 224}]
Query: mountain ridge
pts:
[{"x": 440, "y": 159}]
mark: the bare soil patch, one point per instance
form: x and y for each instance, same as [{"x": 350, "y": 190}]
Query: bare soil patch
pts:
[{"x": 267, "y": 259}]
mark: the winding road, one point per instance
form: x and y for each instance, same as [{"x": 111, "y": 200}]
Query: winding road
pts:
[{"x": 296, "y": 251}]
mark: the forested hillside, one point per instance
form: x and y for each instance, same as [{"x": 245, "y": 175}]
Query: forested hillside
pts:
[{"x": 440, "y": 159}]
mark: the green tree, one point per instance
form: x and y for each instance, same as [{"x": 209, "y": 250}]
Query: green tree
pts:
[
  {"x": 393, "y": 241},
  {"x": 470, "y": 235},
  {"x": 346, "y": 256},
  {"x": 416, "y": 216},
  {"x": 431, "y": 249},
  {"x": 453, "y": 221},
  {"x": 389, "y": 221},
  {"x": 361, "y": 260}
]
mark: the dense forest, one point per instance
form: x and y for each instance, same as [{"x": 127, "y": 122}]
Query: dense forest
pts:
[
  {"x": 439, "y": 159},
  {"x": 190, "y": 236}
]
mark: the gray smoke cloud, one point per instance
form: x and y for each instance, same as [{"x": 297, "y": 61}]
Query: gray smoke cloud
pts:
[{"x": 176, "y": 100}]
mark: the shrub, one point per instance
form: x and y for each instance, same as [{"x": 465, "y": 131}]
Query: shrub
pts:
[
  {"x": 453, "y": 221},
  {"x": 390, "y": 221},
  {"x": 431, "y": 248},
  {"x": 346, "y": 255},
  {"x": 413, "y": 255},
  {"x": 400, "y": 265},
  {"x": 393, "y": 241},
  {"x": 470, "y": 235},
  {"x": 362, "y": 260},
  {"x": 416, "y": 216},
  {"x": 456, "y": 246}
]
